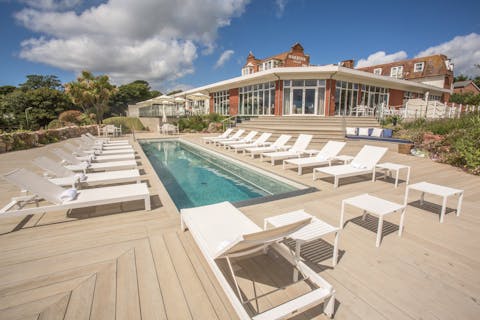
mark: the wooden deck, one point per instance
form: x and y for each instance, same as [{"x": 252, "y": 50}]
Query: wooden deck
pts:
[{"x": 119, "y": 262}]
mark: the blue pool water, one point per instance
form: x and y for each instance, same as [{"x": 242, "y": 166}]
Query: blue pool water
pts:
[{"x": 195, "y": 177}]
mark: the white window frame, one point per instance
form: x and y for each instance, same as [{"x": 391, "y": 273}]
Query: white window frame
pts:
[
  {"x": 396, "y": 72},
  {"x": 421, "y": 66},
  {"x": 377, "y": 71}
]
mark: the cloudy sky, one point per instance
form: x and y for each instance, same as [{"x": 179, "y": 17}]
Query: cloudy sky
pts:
[{"x": 187, "y": 43}]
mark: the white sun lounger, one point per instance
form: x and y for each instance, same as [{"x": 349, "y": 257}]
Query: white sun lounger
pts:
[
  {"x": 279, "y": 144},
  {"x": 106, "y": 140},
  {"x": 295, "y": 151},
  {"x": 222, "y": 136},
  {"x": 104, "y": 146},
  {"x": 100, "y": 158},
  {"x": 325, "y": 156},
  {"x": 64, "y": 177},
  {"x": 221, "y": 231},
  {"x": 83, "y": 150},
  {"x": 41, "y": 188},
  {"x": 247, "y": 139},
  {"x": 73, "y": 164},
  {"x": 363, "y": 163},
  {"x": 260, "y": 141},
  {"x": 236, "y": 136}
]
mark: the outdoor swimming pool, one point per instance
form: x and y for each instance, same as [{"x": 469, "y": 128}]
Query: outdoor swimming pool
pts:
[{"x": 194, "y": 176}]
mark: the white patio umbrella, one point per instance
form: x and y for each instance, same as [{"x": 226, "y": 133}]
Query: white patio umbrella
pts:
[
  {"x": 198, "y": 96},
  {"x": 163, "y": 100}
]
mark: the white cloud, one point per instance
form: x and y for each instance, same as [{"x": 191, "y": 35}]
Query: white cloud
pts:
[
  {"x": 380, "y": 57},
  {"x": 155, "y": 40},
  {"x": 463, "y": 50},
  {"x": 52, "y": 4},
  {"x": 281, "y": 4},
  {"x": 224, "y": 57}
]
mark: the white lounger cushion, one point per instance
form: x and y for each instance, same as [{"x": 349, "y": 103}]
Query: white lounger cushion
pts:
[{"x": 104, "y": 166}]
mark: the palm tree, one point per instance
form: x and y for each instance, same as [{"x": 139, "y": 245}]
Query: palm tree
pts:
[{"x": 91, "y": 93}]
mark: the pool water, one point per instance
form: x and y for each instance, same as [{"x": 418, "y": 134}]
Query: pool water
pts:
[{"x": 195, "y": 177}]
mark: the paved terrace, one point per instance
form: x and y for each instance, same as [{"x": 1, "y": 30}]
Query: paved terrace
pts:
[{"x": 119, "y": 262}]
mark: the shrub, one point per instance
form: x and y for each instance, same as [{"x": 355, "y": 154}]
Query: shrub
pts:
[
  {"x": 198, "y": 123},
  {"x": 72, "y": 116},
  {"x": 127, "y": 123}
]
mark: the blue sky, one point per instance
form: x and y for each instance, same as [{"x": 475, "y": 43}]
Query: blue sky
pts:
[{"x": 178, "y": 43}]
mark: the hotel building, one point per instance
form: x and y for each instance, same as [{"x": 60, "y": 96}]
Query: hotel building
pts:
[{"x": 288, "y": 85}]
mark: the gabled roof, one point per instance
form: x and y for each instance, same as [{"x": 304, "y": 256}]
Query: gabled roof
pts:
[{"x": 463, "y": 84}]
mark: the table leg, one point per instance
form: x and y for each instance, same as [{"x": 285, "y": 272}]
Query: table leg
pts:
[
  {"x": 444, "y": 208},
  {"x": 406, "y": 196},
  {"x": 297, "y": 259},
  {"x": 341, "y": 214},
  {"x": 379, "y": 231},
  {"x": 396, "y": 178},
  {"x": 335, "y": 249},
  {"x": 459, "y": 205},
  {"x": 402, "y": 221}
]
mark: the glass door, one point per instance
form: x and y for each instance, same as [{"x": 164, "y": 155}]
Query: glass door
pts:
[
  {"x": 309, "y": 105},
  {"x": 297, "y": 101}
]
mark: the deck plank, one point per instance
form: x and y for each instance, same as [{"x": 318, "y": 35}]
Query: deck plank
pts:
[
  {"x": 104, "y": 298},
  {"x": 127, "y": 303}
]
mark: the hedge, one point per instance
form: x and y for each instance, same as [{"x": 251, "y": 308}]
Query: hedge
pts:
[{"x": 29, "y": 139}]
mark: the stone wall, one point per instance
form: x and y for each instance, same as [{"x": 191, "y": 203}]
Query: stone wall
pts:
[{"x": 30, "y": 139}]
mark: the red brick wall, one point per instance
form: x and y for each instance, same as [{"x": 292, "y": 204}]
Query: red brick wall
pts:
[
  {"x": 278, "y": 97},
  {"x": 396, "y": 97},
  {"x": 233, "y": 98},
  {"x": 470, "y": 88},
  {"x": 330, "y": 97},
  {"x": 211, "y": 103}
]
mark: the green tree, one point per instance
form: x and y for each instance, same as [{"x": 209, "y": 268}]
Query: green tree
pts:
[
  {"x": 460, "y": 77},
  {"x": 130, "y": 93},
  {"x": 6, "y": 90},
  {"x": 40, "y": 105},
  {"x": 91, "y": 93},
  {"x": 174, "y": 92},
  {"x": 35, "y": 81}
]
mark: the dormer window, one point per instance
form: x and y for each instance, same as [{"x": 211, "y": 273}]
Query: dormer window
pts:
[
  {"x": 418, "y": 67},
  {"x": 248, "y": 69},
  {"x": 396, "y": 72},
  {"x": 269, "y": 64},
  {"x": 377, "y": 71}
]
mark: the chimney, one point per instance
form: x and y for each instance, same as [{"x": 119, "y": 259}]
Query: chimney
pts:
[{"x": 347, "y": 64}]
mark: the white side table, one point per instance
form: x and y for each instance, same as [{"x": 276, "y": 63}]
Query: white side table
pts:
[
  {"x": 313, "y": 231},
  {"x": 346, "y": 159},
  {"x": 388, "y": 167},
  {"x": 438, "y": 190},
  {"x": 375, "y": 206}
]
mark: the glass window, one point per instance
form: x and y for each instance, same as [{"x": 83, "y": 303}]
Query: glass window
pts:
[
  {"x": 377, "y": 71},
  {"x": 256, "y": 99},
  {"x": 396, "y": 72},
  {"x": 304, "y": 97},
  {"x": 418, "y": 67},
  {"x": 221, "y": 102}
]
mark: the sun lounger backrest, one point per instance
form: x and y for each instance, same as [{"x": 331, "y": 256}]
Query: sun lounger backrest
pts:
[
  {"x": 226, "y": 133},
  {"x": 282, "y": 140},
  {"x": 263, "y": 138},
  {"x": 52, "y": 166},
  {"x": 331, "y": 149},
  {"x": 368, "y": 157},
  {"x": 250, "y": 135},
  {"x": 66, "y": 156},
  {"x": 302, "y": 142},
  {"x": 35, "y": 184},
  {"x": 256, "y": 240},
  {"x": 237, "y": 134}
]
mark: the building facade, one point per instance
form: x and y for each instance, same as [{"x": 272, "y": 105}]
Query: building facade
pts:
[
  {"x": 287, "y": 85},
  {"x": 467, "y": 86}
]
